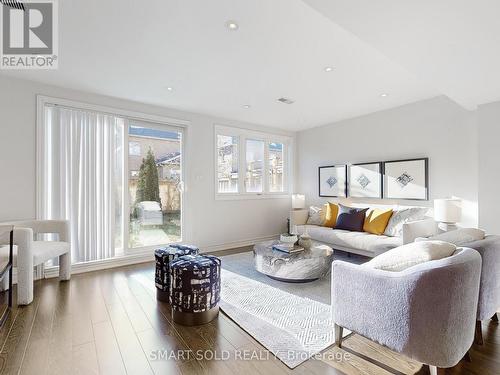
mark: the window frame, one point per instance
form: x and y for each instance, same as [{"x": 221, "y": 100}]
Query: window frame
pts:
[
  {"x": 247, "y": 134},
  {"x": 147, "y": 120},
  {"x": 216, "y": 146}
]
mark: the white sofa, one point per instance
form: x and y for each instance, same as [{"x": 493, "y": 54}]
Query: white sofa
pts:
[{"x": 361, "y": 243}]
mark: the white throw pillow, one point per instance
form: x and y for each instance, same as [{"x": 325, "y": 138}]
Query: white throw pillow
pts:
[
  {"x": 395, "y": 225},
  {"x": 457, "y": 237},
  {"x": 406, "y": 256},
  {"x": 316, "y": 215}
]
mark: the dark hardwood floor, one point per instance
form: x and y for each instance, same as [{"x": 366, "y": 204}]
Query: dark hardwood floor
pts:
[{"x": 109, "y": 322}]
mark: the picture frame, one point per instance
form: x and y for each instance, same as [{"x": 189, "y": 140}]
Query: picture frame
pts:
[
  {"x": 406, "y": 179},
  {"x": 366, "y": 180},
  {"x": 332, "y": 181}
]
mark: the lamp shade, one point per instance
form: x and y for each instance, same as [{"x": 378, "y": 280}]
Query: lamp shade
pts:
[
  {"x": 447, "y": 210},
  {"x": 298, "y": 201}
]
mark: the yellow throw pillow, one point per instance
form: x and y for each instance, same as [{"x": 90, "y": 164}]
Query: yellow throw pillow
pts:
[
  {"x": 332, "y": 210},
  {"x": 376, "y": 220}
]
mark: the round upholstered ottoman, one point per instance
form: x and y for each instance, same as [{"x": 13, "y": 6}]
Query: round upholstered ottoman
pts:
[
  {"x": 195, "y": 289},
  {"x": 164, "y": 256}
]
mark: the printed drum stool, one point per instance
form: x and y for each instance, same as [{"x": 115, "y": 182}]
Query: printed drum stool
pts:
[
  {"x": 195, "y": 289},
  {"x": 164, "y": 256}
]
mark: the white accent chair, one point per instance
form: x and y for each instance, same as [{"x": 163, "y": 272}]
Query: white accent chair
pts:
[
  {"x": 28, "y": 252},
  {"x": 426, "y": 312}
]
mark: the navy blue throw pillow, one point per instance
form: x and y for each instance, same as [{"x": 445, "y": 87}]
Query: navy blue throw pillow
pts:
[{"x": 351, "y": 218}]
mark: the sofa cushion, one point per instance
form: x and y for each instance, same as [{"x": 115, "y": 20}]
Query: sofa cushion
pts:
[
  {"x": 332, "y": 211},
  {"x": 457, "y": 237},
  {"x": 351, "y": 218},
  {"x": 316, "y": 215},
  {"x": 353, "y": 240},
  {"x": 400, "y": 217},
  {"x": 410, "y": 255},
  {"x": 376, "y": 221}
]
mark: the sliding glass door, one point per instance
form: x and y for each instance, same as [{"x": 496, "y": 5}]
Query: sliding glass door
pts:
[
  {"x": 154, "y": 185},
  {"x": 117, "y": 179}
]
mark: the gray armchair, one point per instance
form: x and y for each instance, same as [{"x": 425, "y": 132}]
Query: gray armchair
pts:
[
  {"x": 29, "y": 253},
  {"x": 489, "y": 291},
  {"x": 426, "y": 312}
]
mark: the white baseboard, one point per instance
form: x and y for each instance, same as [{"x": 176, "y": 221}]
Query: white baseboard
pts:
[
  {"x": 97, "y": 265},
  {"x": 235, "y": 244},
  {"x": 147, "y": 256}
]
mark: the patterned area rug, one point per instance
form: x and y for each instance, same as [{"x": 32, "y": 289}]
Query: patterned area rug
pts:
[{"x": 291, "y": 320}]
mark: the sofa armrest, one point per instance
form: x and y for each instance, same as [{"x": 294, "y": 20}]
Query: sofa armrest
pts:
[
  {"x": 298, "y": 217},
  {"x": 419, "y": 228},
  {"x": 372, "y": 302}
]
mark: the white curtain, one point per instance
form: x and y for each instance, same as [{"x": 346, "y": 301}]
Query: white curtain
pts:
[{"x": 81, "y": 178}]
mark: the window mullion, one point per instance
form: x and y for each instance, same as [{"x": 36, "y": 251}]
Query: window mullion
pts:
[
  {"x": 242, "y": 165},
  {"x": 265, "y": 165},
  {"x": 285, "y": 187},
  {"x": 125, "y": 189}
]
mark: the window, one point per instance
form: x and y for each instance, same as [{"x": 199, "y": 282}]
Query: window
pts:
[
  {"x": 255, "y": 164},
  {"x": 227, "y": 164},
  {"x": 118, "y": 179},
  {"x": 276, "y": 167},
  {"x": 261, "y": 158},
  {"x": 154, "y": 195}
]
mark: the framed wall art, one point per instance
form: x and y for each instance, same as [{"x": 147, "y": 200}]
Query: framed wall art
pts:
[
  {"x": 365, "y": 180},
  {"x": 406, "y": 179},
  {"x": 332, "y": 181}
]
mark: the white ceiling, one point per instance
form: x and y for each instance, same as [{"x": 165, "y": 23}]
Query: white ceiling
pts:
[
  {"x": 133, "y": 50},
  {"x": 452, "y": 45},
  {"x": 412, "y": 50}
]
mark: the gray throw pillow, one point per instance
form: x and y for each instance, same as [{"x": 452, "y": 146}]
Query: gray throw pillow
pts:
[
  {"x": 406, "y": 215},
  {"x": 406, "y": 256},
  {"x": 316, "y": 215}
]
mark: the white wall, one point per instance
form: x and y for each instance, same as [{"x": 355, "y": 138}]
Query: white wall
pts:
[
  {"x": 436, "y": 128},
  {"x": 463, "y": 160},
  {"x": 489, "y": 166},
  {"x": 209, "y": 223}
]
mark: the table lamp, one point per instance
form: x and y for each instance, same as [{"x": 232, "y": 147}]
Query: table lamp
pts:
[
  {"x": 447, "y": 212},
  {"x": 298, "y": 201}
]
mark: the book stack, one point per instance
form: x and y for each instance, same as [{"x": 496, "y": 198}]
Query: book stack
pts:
[{"x": 289, "y": 248}]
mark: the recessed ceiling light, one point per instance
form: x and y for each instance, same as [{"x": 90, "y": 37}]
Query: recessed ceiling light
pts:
[
  {"x": 328, "y": 69},
  {"x": 246, "y": 106},
  {"x": 169, "y": 88},
  {"x": 232, "y": 25},
  {"x": 285, "y": 100},
  {"x": 384, "y": 95}
]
